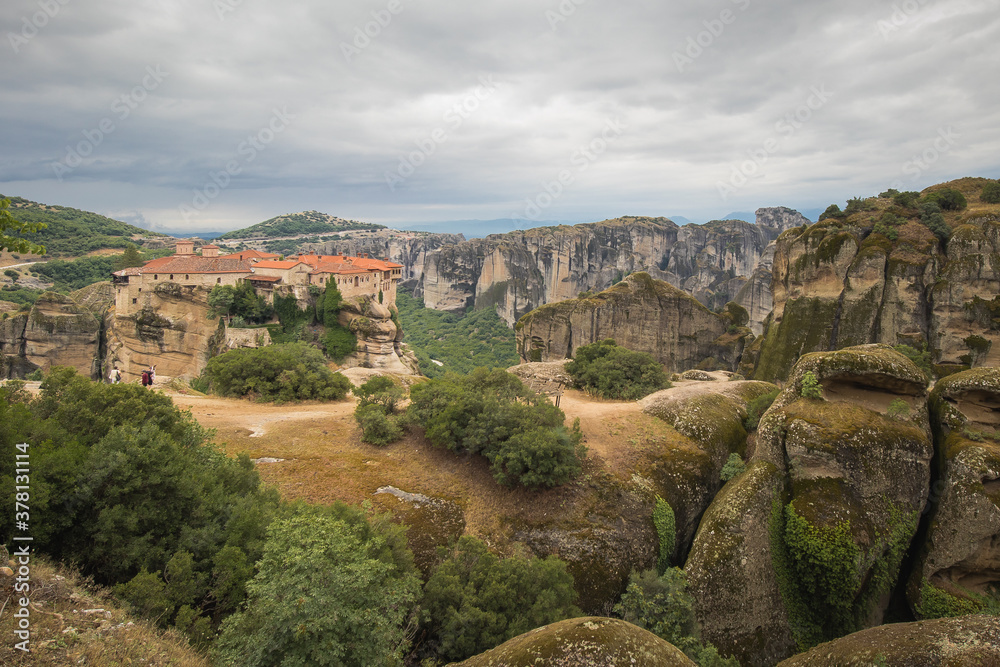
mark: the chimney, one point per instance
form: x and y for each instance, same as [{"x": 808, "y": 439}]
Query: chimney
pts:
[{"x": 185, "y": 247}]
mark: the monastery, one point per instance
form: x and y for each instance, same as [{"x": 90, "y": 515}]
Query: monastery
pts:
[{"x": 266, "y": 272}]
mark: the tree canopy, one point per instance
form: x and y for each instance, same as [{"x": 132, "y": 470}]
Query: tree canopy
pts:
[{"x": 11, "y": 230}]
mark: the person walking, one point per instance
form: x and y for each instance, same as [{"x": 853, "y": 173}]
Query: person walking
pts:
[{"x": 115, "y": 376}]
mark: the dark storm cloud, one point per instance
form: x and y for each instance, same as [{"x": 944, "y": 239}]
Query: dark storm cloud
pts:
[{"x": 396, "y": 109}]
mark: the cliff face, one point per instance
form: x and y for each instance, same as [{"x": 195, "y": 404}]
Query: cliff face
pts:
[
  {"x": 840, "y": 283},
  {"x": 172, "y": 330},
  {"x": 639, "y": 313},
  {"x": 519, "y": 271},
  {"x": 379, "y": 339},
  {"x": 57, "y": 331}
]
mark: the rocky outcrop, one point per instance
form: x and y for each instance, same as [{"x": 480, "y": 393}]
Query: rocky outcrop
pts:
[
  {"x": 57, "y": 331},
  {"x": 410, "y": 249},
  {"x": 639, "y": 313},
  {"x": 855, "y": 279},
  {"x": 590, "y": 641},
  {"x": 379, "y": 338},
  {"x": 780, "y": 218},
  {"x": 960, "y": 558},
  {"x": 519, "y": 271},
  {"x": 824, "y": 513},
  {"x": 968, "y": 640},
  {"x": 172, "y": 330}
]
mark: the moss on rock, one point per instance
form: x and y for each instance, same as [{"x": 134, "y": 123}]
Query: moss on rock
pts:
[{"x": 589, "y": 641}]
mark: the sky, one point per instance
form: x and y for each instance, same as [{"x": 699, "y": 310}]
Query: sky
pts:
[{"x": 217, "y": 114}]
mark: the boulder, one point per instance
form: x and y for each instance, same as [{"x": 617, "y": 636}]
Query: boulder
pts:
[
  {"x": 590, "y": 641},
  {"x": 945, "y": 642},
  {"x": 959, "y": 563}
]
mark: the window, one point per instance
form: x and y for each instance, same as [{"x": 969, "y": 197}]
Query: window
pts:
[
  {"x": 171, "y": 276},
  {"x": 135, "y": 300},
  {"x": 156, "y": 277},
  {"x": 218, "y": 281},
  {"x": 187, "y": 276}
]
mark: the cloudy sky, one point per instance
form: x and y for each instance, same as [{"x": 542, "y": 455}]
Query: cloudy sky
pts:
[{"x": 215, "y": 114}]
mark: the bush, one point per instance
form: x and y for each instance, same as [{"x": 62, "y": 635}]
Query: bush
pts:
[
  {"x": 921, "y": 357},
  {"x": 339, "y": 342},
  {"x": 810, "y": 386},
  {"x": 990, "y": 193},
  {"x": 662, "y": 605},
  {"x": 490, "y": 412},
  {"x": 931, "y": 217},
  {"x": 666, "y": 530},
  {"x": 609, "y": 371},
  {"x": 898, "y": 408},
  {"x": 757, "y": 407},
  {"x": 948, "y": 199},
  {"x": 734, "y": 466},
  {"x": 380, "y": 390},
  {"x": 832, "y": 211},
  {"x": 906, "y": 199},
  {"x": 886, "y": 226},
  {"x": 377, "y": 427},
  {"x": 285, "y": 372},
  {"x": 474, "y": 600}
]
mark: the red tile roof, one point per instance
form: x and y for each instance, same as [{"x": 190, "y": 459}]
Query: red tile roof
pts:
[
  {"x": 265, "y": 279},
  {"x": 196, "y": 264},
  {"x": 345, "y": 264},
  {"x": 253, "y": 254},
  {"x": 270, "y": 264}
]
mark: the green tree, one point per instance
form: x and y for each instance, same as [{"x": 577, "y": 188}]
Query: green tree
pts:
[
  {"x": 10, "y": 228},
  {"x": 381, "y": 390},
  {"x": 220, "y": 300},
  {"x": 282, "y": 372},
  {"x": 810, "y": 386},
  {"x": 326, "y": 593},
  {"x": 662, "y": 605},
  {"x": 474, "y": 600},
  {"x": 129, "y": 258},
  {"x": 609, "y": 371},
  {"x": 832, "y": 211},
  {"x": 490, "y": 412},
  {"x": 990, "y": 193},
  {"x": 377, "y": 426}
]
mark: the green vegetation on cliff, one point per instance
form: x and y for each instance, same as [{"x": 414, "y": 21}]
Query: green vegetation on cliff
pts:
[
  {"x": 459, "y": 343},
  {"x": 69, "y": 231}
]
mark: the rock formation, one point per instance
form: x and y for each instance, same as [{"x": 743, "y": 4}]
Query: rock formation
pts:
[
  {"x": 840, "y": 283},
  {"x": 56, "y": 331},
  {"x": 379, "y": 338},
  {"x": 969, "y": 640},
  {"x": 642, "y": 314},
  {"x": 519, "y": 271},
  {"x": 817, "y": 527},
  {"x": 960, "y": 558},
  {"x": 584, "y": 642}
]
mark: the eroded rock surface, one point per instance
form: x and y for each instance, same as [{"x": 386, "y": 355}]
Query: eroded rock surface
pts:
[{"x": 590, "y": 641}]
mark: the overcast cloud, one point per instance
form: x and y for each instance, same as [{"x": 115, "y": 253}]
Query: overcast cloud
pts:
[{"x": 216, "y": 114}]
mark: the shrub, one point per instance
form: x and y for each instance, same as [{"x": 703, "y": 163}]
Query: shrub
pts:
[
  {"x": 832, "y": 211},
  {"x": 380, "y": 390},
  {"x": 662, "y": 605},
  {"x": 474, "y": 600},
  {"x": 284, "y": 372},
  {"x": 810, "y": 386},
  {"x": 886, "y": 226},
  {"x": 609, "y": 371},
  {"x": 897, "y": 408},
  {"x": 666, "y": 530},
  {"x": 757, "y": 407},
  {"x": 948, "y": 199},
  {"x": 921, "y": 357},
  {"x": 339, "y": 342},
  {"x": 734, "y": 466},
  {"x": 906, "y": 199},
  {"x": 931, "y": 217},
  {"x": 990, "y": 193},
  {"x": 490, "y": 412},
  {"x": 377, "y": 427}
]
